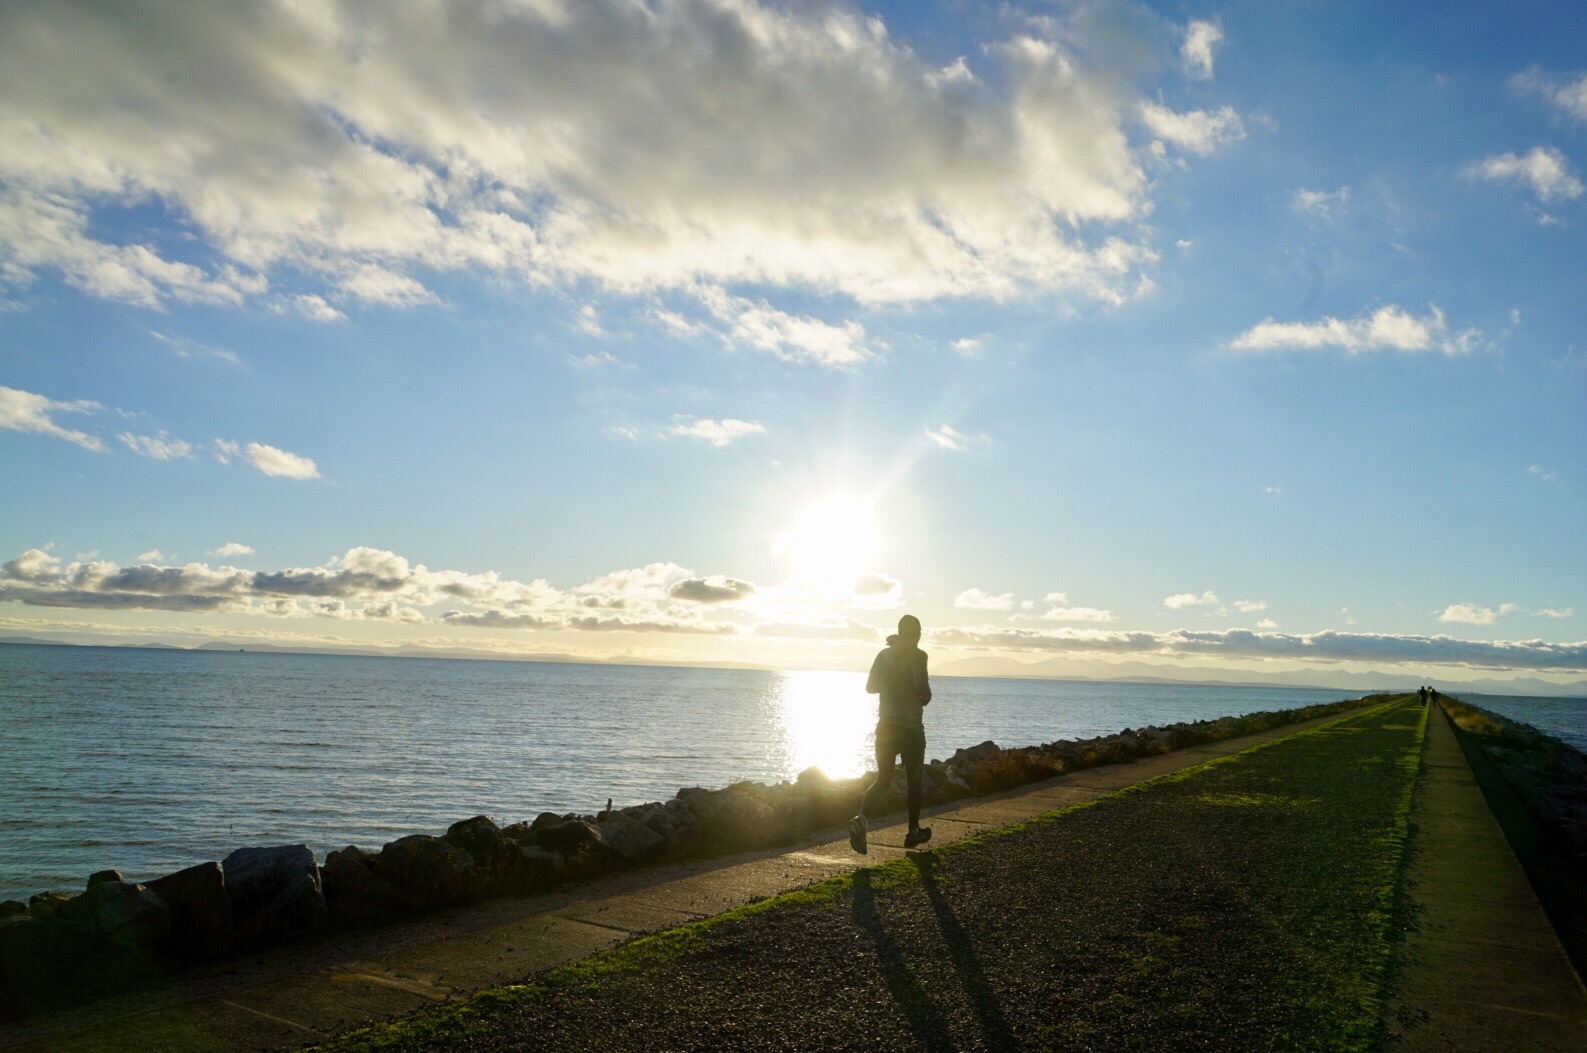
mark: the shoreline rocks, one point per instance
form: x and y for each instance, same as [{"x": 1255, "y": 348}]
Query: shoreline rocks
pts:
[{"x": 60, "y": 948}]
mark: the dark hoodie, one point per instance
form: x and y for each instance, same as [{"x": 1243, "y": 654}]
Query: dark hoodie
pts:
[{"x": 899, "y": 676}]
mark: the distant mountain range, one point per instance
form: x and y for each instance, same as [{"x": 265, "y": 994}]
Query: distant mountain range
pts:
[{"x": 1051, "y": 669}]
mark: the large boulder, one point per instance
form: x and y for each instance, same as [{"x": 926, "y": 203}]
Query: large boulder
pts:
[
  {"x": 127, "y": 913},
  {"x": 201, "y": 911},
  {"x": 428, "y": 872},
  {"x": 482, "y": 839},
  {"x": 632, "y": 840},
  {"x": 354, "y": 892},
  {"x": 733, "y": 820},
  {"x": 275, "y": 893},
  {"x": 47, "y": 905}
]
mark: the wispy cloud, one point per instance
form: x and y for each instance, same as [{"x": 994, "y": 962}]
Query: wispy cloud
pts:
[
  {"x": 1389, "y": 328},
  {"x": 1556, "y": 612},
  {"x": 1471, "y": 614},
  {"x": 1196, "y": 131},
  {"x": 1201, "y": 40},
  {"x": 276, "y": 462},
  {"x": 977, "y": 600},
  {"x": 950, "y": 438},
  {"x": 1076, "y": 614},
  {"x": 1181, "y": 600},
  {"x": 717, "y": 432},
  {"x": 1250, "y": 606},
  {"x": 798, "y": 338},
  {"x": 1548, "y": 475},
  {"x": 182, "y": 347},
  {"x": 1543, "y": 170},
  {"x": 24, "y": 411},
  {"x": 232, "y": 548},
  {"x": 1568, "y": 94},
  {"x": 1319, "y": 203},
  {"x": 159, "y": 447}
]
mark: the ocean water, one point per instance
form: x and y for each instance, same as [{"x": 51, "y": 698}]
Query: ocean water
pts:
[{"x": 153, "y": 760}]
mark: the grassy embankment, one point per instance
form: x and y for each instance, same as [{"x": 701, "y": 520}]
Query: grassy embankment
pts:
[{"x": 1244, "y": 903}]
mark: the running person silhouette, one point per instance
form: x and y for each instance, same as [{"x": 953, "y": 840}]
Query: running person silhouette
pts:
[{"x": 899, "y": 676}]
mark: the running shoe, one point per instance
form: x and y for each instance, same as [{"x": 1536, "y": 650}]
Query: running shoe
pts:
[
  {"x": 918, "y": 836},
  {"x": 858, "y": 828}
]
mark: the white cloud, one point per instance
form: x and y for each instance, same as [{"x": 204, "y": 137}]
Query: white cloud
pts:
[
  {"x": 1548, "y": 475},
  {"x": 232, "y": 548},
  {"x": 798, "y": 338},
  {"x": 977, "y": 600},
  {"x": 947, "y": 437},
  {"x": 1323, "y": 204},
  {"x": 27, "y": 412},
  {"x": 154, "y": 555},
  {"x": 159, "y": 447},
  {"x": 1250, "y": 606},
  {"x": 315, "y": 308},
  {"x": 1267, "y": 623},
  {"x": 1077, "y": 614},
  {"x": 1388, "y": 328},
  {"x": 1543, "y": 170},
  {"x": 345, "y": 150},
  {"x": 1197, "y": 131},
  {"x": 717, "y": 432},
  {"x": 1567, "y": 95},
  {"x": 1180, "y": 600},
  {"x": 225, "y": 450},
  {"x": 182, "y": 347},
  {"x": 272, "y": 461},
  {"x": 1201, "y": 39},
  {"x": 1471, "y": 614},
  {"x": 1556, "y": 612},
  {"x": 967, "y": 345}
]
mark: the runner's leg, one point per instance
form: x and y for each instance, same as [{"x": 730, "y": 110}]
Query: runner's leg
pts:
[{"x": 886, "y": 750}]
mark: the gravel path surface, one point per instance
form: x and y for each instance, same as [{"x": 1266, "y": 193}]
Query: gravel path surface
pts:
[{"x": 1244, "y": 904}]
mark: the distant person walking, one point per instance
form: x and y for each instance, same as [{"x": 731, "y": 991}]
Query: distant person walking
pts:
[
  {"x": 899, "y": 676},
  {"x": 1422, "y": 692}
]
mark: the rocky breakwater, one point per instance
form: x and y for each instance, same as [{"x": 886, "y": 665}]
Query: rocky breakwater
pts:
[
  {"x": 117, "y": 934},
  {"x": 1548, "y": 776}
]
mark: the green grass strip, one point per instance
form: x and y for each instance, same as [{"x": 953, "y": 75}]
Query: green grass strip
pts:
[{"x": 1358, "y": 1029}]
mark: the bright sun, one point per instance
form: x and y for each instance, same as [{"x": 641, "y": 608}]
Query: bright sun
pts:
[{"x": 833, "y": 543}]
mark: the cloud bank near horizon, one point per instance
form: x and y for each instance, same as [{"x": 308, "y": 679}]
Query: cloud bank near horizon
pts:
[{"x": 366, "y": 584}]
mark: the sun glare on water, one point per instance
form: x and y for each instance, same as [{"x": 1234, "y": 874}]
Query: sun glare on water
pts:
[{"x": 825, "y": 719}]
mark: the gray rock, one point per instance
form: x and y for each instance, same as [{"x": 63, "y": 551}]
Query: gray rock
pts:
[
  {"x": 12, "y": 906},
  {"x": 633, "y": 841},
  {"x": 354, "y": 892},
  {"x": 104, "y": 875},
  {"x": 201, "y": 911},
  {"x": 127, "y": 913},
  {"x": 428, "y": 872},
  {"x": 733, "y": 820},
  {"x": 275, "y": 893}
]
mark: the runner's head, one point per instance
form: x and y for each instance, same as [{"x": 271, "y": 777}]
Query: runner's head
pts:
[{"x": 909, "y": 628}]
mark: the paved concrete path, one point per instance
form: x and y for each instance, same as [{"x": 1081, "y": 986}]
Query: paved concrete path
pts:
[
  {"x": 297, "y": 995},
  {"x": 1482, "y": 967}
]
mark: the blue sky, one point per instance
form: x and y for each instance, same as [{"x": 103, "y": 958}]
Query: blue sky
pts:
[{"x": 1242, "y": 336}]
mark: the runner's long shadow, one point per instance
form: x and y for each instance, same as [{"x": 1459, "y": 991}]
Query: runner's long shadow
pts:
[
  {"x": 925, "y": 1019},
  {"x": 994, "y": 1027},
  {"x": 928, "y": 1024}
]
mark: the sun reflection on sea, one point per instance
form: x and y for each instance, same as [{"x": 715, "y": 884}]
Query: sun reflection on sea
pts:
[{"x": 825, "y": 720}]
